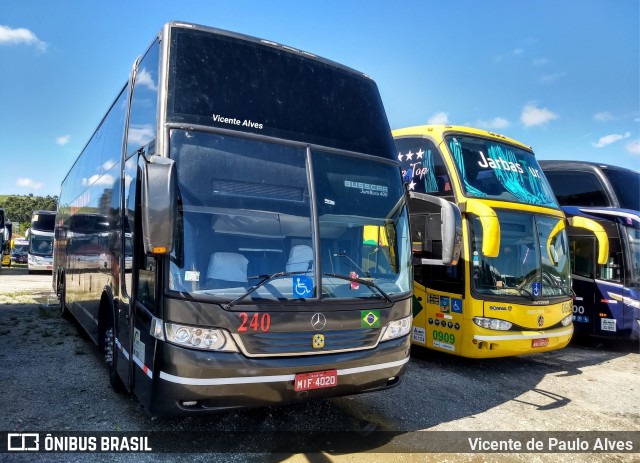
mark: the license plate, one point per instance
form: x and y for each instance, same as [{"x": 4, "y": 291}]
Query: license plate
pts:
[
  {"x": 315, "y": 380},
  {"x": 542, "y": 342}
]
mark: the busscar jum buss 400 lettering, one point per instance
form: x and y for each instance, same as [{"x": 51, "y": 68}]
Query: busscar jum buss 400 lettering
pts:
[
  {"x": 510, "y": 293},
  {"x": 257, "y": 189},
  {"x": 607, "y": 302}
]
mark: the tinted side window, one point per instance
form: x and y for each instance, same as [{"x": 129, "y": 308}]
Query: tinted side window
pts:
[
  {"x": 576, "y": 188},
  {"x": 144, "y": 104},
  {"x": 101, "y": 154},
  {"x": 582, "y": 255},
  {"x": 441, "y": 278},
  {"x": 423, "y": 168}
]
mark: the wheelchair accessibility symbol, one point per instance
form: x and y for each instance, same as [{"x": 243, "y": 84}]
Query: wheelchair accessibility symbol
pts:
[
  {"x": 536, "y": 289},
  {"x": 302, "y": 286}
]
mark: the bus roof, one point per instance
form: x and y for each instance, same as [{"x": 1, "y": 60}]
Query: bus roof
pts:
[
  {"x": 554, "y": 164},
  {"x": 442, "y": 130},
  {"x": 250, "y": 38}
]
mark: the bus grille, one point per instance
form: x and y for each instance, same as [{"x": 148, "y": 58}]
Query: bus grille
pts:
[{"x": 301, "y": 343}]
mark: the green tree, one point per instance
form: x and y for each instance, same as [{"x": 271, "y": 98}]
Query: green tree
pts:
[{"x": 18, "y": 208}]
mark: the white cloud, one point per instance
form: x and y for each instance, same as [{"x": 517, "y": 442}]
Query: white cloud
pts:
[
  {"x": 141, "y": 135},
  {"x": 439, "y": 118},
  {"x": 633, "y": 147},
  {"x": 495, "y": 123},
  {"x": 63, "y": 140},
  {"x": 108, "y": 165},
  {"x": 540, "y": 61},
  {"x": 551, "y": 78},
  {"x": 603, "y": 116},
  {"x": 105, "y": 180},
  {"x": 144, "y": 78},
  {"x": 609, "y": 139},
  {"x": 9, "y": 36},
  {"x": 515, "y": 52},
  {"x": 29, "y": 183},
  {"x": 532, "y": 115}
]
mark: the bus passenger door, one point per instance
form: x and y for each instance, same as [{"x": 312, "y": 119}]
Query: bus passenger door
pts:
[
  {"x": 436, "y": 240},
  {"x": 583, "y": 267},
  {"x": 419, "y": 328},
  {"x": 124, "y": 319}
]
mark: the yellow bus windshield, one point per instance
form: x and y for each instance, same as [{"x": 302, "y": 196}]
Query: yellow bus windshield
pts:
[{"x": 493, "y": 170}]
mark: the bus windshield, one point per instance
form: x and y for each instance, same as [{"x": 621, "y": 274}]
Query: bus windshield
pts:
[
  {"x": 260, "y": 87},
  {"x": 626, "y": 185},
  {"x": 20, "y": 249},
  {"x": 532, "y": 262},
  {"x": 41, "y": 245},
  {"x": 493, "y": 170},
  {"x": 633, "y": 235},
  {"x": 246, "y": 217}
]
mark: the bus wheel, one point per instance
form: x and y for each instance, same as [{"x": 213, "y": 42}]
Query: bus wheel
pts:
[
  {"x": 62, "y": 296},
  {"x": 111, "y": 359}
]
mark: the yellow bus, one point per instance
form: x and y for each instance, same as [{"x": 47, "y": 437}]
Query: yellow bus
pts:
[
  {"x": 5, "y": 244},
  {"x": 510, "y": 292}
]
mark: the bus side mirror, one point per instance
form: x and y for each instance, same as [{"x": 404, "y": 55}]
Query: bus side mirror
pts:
[
  {"x": 596, "y": 228},
  {"x": 158, "y": 203},
  {"x": 490, "y": 226},
  {"x": 450, "y": 226},
  {"x": 1, "y": 218}
]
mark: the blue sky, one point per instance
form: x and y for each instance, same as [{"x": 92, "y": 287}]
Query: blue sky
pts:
[{"x": 561, "y": 76}]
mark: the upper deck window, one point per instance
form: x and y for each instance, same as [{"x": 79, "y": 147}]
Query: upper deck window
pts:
[
  {"x": 578, "y": 188},
  {"x": 44, "y": 221},
  {"x": 626, "y": 185},
  {"x": 493, "y": 170},
  {"x": 223, "y": 81}
]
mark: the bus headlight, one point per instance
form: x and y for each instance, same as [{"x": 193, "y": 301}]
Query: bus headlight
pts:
[
  {"x": 566, "y": 321},
  {"x": 397, "y": 329},
  {"x": 195, "y": 337},
  {"x": 492, "y": 323}
]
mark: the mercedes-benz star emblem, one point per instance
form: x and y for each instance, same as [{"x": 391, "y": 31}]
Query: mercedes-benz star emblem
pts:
[
  {"x": 540, "y": 320},
  {"x": 318, "y": 321}
]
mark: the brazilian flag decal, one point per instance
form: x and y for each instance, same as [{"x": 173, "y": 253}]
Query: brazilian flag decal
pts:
[
  {"x": 370, "y": 319},
  {"x": 416, "y": 306}
]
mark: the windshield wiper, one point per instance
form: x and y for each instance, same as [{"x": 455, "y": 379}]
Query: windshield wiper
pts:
[
  {"x": 344, "y": 254},
  {"x": 368, "y": 283},
  {"x": 553, "y": 284},
  {"x": 265, "y": 279},
  {"x": 522, "y": 289}
]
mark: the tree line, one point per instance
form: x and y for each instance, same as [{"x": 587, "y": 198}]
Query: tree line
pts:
[{"x": 18, "y": 208}]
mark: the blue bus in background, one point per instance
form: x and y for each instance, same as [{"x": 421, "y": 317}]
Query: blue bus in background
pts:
[{"x": 607, "y": 301}]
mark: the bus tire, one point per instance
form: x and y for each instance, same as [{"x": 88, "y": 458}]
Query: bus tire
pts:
[
  {"x": 111, "y": 357},
  {"x": 62, "y": 296}
]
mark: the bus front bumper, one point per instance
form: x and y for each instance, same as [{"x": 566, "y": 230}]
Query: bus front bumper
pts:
[
  {"x": 490, "y": 343},
  {"x": 192, "y": 382}
]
